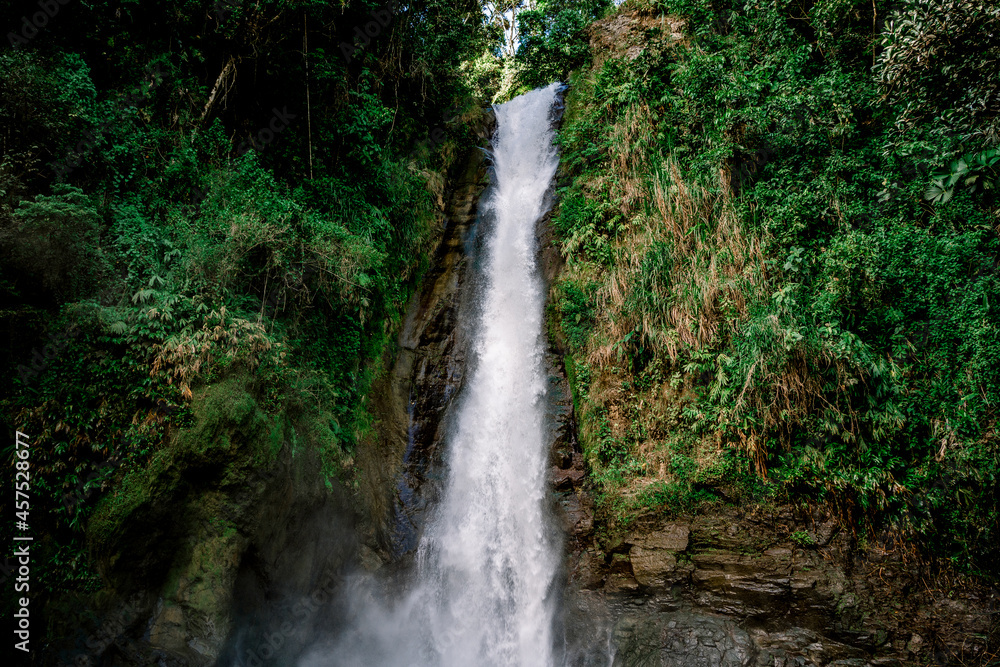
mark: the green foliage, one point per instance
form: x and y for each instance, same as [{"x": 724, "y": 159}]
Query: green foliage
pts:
[
  {"x": 553, "y": 39},
  {"x": 704, "y": 17},
  {"x": 164, "y": 259},
  {"x": 974, "y": 171},
  {"x": 940, "y": 65},
  {"x": 826, "y": 309},
  {"x": 56, "y": 240},
  {"x": 577, "y": 313},
  {"x": 802, "y": 538}
]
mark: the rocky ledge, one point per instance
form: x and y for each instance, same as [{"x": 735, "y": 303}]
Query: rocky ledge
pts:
[
  {"x": 736, "y": 586},
  {"x": 769, "y": 588}
]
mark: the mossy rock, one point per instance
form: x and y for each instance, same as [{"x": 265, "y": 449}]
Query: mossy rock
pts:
[{"x": 135, "y": 526}]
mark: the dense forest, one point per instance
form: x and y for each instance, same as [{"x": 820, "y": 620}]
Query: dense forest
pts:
[
  {"x": 781, "y": 230},
  {"x": 779, "y": 222}
]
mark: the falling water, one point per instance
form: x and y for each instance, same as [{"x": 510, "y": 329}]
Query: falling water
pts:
[{"x": 482, "y": 593}]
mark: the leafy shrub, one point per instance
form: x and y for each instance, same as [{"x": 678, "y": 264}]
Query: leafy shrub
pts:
[
  {"x": 553, "y": 39},
  {"x": 577, "y": 311},
  {"x": 805, "y": 258},
  {"x": 57, "y": 239},
  {"x": 940, "y": 61}
]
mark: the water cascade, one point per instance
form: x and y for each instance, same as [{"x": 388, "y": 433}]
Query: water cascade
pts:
[{"x": 481, "y": 592}]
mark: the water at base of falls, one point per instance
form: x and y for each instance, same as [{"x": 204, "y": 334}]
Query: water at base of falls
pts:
[{"x": 482, "y": 592}]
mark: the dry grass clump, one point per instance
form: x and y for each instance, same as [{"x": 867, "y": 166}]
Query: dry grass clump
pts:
[
  {"x": 685, "y": 270},
  {"x": 190, "y": 355},
  {"x": 689, "y": 285}
]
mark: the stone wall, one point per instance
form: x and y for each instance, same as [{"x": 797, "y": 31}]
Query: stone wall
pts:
[{"x": 768, "y": 587}]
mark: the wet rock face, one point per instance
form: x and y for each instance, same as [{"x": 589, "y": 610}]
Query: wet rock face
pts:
[
  {"x": 681, "y": 639},
  {"x": 775, "y": 584},
  {"x": 685, "y": 639},
  {"x": 411, "y": 401},
  {"x": 566, "y": 470},
  {"x": 729, "y": 588},
  {"x": 653, "y": 555}
]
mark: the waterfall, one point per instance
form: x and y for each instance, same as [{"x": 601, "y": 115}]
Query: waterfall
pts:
[
  {"x": 487, "y": 557},
  {"x": 482, "y": 589}
]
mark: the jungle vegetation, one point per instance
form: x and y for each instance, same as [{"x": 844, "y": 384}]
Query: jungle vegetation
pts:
[{"x": 779, "y": 222}]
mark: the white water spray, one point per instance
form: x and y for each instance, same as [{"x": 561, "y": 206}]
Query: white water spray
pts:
[{"x": 486, "y": 563}]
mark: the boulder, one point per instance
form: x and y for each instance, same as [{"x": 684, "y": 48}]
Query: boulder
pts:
[{"x": 654, "y": 555}]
